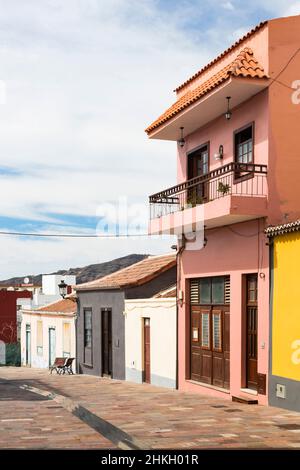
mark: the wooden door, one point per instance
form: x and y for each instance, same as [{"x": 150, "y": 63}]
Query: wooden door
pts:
[
  {"x": 106, "y": 341},
  {"x": 147, "y": 351},
  {"x": 28, "y": 345},
  {"x": 251, "y": 325},
  {"x": 198, "y": 165},
  {"x": 52, "y": 346}
]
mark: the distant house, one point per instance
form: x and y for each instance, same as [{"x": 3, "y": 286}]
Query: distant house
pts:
[
  {"x": 9, "y": 300},
  {"x": 101, "y": 307},
  {"x": 151, "y": 338},
  {"x": 48, "y": 332}
]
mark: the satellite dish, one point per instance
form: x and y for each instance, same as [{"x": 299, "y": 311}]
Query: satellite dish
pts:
[{"x": 26, "y": 280}]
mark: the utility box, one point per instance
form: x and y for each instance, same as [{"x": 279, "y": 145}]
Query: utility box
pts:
[{"x": 280, "y": 391}]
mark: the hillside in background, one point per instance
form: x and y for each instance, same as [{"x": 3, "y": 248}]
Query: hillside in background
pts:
[{"x": 84, "y": 274}]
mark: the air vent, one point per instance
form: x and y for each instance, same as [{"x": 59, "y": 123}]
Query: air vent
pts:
[
  {"x": 227, "y": 289},
  {"x": 194, "y": 291}
]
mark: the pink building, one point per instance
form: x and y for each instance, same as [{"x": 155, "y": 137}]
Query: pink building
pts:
[{"x": 236, "y": 122}]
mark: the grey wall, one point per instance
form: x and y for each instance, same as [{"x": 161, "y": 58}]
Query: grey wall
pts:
[
  {"x": 113, "y": 299},
  {"x": 292, "y": 400},
  {"x": 96, "y": 301}
]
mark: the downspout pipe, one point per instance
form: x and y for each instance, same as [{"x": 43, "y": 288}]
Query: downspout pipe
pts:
[{"x": 178, "y": 265}]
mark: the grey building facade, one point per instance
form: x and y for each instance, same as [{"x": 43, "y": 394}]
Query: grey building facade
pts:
[{"x": 100, "y": 330}]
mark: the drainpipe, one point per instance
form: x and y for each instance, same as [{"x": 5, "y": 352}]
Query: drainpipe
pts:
[{"x": 178, "y": 265}]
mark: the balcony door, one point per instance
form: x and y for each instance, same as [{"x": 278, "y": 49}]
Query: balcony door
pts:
[{"x": 198, "y": 165}]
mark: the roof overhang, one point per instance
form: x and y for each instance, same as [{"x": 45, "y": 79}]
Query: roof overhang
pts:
[{"x": 210, "y": 107}]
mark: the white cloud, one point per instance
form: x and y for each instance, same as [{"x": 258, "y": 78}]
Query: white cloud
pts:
[{"x": 83, "y": 79}]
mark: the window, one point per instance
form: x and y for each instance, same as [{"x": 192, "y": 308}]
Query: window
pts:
[
  {"x": 205, "y": 340},
  {"x": 212, "y": 290},
  {"x": 39, "y": 337},
  {"x": 217, "y": 331},
  {"x": 66, "y": 339},
  {"x": 88, "y": 328},
  {"x": 243, "y": 141}
]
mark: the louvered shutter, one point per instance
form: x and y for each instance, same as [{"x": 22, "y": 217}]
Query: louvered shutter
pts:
[
  {"x": 227, "y": 289},
  {"x": 194, "y": 292}
]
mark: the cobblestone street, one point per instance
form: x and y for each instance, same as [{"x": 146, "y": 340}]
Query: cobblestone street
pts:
[{"x": 38, "y": 410}]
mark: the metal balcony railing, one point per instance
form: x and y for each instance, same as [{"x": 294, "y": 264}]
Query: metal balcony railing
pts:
[{"x": 238, "y": 179}]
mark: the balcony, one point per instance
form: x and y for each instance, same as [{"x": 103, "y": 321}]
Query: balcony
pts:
[{"x": 233, "y": 193}]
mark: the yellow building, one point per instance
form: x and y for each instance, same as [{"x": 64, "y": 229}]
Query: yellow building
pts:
[{"x": 284, "y": 377}]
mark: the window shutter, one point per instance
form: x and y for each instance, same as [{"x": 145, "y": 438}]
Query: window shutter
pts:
[
  {"x": 194, "y": 291},
  {"x": 227, "y": 290}
]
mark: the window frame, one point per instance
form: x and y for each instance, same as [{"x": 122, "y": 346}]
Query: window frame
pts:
[
  {"x": 237, "y": 174},
  {"x": 205, "y": 312},
  {"x": 85, "y": 311},
  {"x": 220, "y": 315}
]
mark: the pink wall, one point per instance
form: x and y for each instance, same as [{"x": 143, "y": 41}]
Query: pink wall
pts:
[
  {"x": 235, "y": 254},
  {"x": 284, "y": 135},
  {"x": 221, "y": 131}
]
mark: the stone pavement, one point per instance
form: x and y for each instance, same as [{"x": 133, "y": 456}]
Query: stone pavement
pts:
[{"x": 144, "y": 416}]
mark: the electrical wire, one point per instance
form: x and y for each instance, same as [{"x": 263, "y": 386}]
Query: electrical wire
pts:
[{"x": 70, "y": 235}]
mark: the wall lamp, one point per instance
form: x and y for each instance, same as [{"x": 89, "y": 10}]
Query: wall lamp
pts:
[
  {"x": 220, "y": 154},
  {"x": 181, "y": 141},
  {"x": 228, "y": 113}
]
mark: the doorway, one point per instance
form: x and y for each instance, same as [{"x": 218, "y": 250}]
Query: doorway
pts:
[
  {"x": 106, "y": 341},
  {"x": 52, "y": 345},
  {"x": 210, "y": 331},
  {"x": 251, "y": 332},
  {"x": 147, "y": 351},
  {"x": 198, "y": 165},
  {"x": 28, "y": 345}
]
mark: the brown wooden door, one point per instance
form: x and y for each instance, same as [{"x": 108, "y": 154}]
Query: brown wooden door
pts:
[
  {"x": 251, "y": 325},
  {"x": 147, "y": 352},
  {"x": 106, "y": 342},
  {"x": 210, "y": 345},
  {"x": 198, "y": 165}
]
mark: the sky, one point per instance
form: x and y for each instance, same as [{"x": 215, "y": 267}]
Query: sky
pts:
[{"x": 79, "y": 82}]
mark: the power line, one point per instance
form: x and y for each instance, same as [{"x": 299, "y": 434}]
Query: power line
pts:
[{"x": 70, "y": 235}]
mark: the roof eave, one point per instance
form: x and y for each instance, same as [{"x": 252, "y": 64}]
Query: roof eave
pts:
[{"x": 209, "y": 107}]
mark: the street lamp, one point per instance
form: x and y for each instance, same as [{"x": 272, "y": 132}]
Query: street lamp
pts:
[{"x": 63, "y": 288}]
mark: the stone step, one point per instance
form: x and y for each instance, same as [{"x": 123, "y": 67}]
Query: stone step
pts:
[{"x": 246, "y": 401}]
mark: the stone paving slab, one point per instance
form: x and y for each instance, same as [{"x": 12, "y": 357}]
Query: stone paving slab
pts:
[{"x": 157, "y": 417}]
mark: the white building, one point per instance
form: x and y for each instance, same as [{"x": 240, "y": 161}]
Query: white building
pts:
[
  {"x": 48, "y": 332},
  {"x": 150, "y": 339}
]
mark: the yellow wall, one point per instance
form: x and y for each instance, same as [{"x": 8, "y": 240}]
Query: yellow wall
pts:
[{"x": 286, "y": 307}]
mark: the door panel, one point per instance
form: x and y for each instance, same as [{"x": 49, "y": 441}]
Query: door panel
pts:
[
  {"x": 226, "y": 346},
  {"x": 251, "y": 325},
  {"x": 52, "y": 346},
  {"x": 28, "y": 345},
  {"x": 106, "y": 341},
  {"x": 147, "y": 351},
  {"x": 210, "y": 349}
]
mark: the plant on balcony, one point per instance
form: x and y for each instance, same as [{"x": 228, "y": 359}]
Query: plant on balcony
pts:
[
  {"x": 194, "y": 200},
  {"x": 223, "y": 188}
]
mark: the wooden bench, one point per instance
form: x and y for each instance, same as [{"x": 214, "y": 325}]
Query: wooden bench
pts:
[{"x": 62, "y": 365}]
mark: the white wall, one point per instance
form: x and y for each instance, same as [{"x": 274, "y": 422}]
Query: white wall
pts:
[
  {"x": 42, "y": 360},
  {"x": 50, "y": 283},
  {"x": 162, "y": 314}
]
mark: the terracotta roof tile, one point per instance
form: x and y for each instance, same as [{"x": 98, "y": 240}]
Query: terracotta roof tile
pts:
[
  {"x": 275, "y": 230},
  {"x": 245, "y": 65},
  {"x": 134, "y": 275},
  {"x": 223, "y": 54},
  {"x": 166, "y": 293},
  {"x": 66, "y": 306}
]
